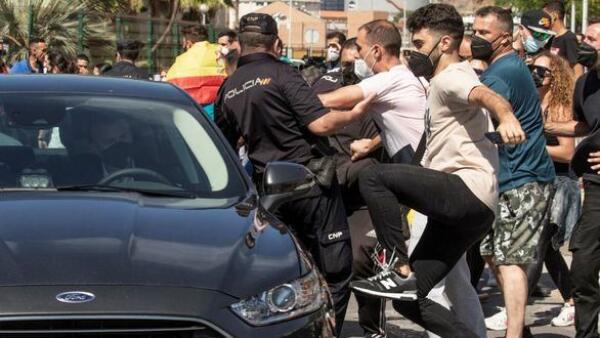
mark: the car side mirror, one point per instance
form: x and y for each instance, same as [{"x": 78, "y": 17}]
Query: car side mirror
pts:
[{"x": 284, "y": 182}]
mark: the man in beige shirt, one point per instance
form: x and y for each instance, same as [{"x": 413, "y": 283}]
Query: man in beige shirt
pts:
[{"x": 456, "y": 188}]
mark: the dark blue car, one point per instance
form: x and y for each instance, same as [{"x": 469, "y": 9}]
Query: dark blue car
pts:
[{"x": 124, "y": 213}]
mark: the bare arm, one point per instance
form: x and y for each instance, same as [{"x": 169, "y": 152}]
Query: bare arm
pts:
[
  {"x": 335, "y": 119},
  {"x": 509, "y": 127},
  {"x": 563, "y": 152},
  {"x": 344, "y": 97},
  {"x": 567, "y": 129},
  {"x": 579, "y": 70}
]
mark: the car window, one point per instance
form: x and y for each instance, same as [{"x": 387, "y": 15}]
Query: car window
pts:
[{"x": 56, "y": 140}]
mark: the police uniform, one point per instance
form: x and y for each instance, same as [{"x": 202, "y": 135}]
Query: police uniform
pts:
[
  {"x": 371, "y": 310},
  {"x": 268, "y": 103}
]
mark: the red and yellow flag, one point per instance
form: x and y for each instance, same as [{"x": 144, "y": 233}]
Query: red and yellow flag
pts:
[{"x": 198, "y": 72}]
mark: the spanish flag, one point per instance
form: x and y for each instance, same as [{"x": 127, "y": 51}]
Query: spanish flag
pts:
[{"x": 198, "y": 72}]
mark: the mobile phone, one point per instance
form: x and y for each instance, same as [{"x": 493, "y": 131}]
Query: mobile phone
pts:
[{"x": 494, "y": 137}]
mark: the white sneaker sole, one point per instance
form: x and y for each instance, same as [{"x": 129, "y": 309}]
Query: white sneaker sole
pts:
[
  {"x": 397, "y": 296},
  {"x": 562, "y": 324}
]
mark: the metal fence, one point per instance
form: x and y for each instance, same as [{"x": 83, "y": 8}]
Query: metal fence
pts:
[{"x": 155, "y": 57}]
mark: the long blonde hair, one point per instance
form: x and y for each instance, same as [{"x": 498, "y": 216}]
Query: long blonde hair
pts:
[{"x": 562, "y": 84}]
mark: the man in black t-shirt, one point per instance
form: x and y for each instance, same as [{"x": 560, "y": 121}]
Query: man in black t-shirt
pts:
[
  {"x": 267, "y": 104},
  {"x": 565, "y": 42},
  {"x": 127, "y": 52},
  {"x": 585, "y": 240}
]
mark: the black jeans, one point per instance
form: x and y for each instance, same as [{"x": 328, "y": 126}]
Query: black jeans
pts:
[
  {"x": 456, "y": 220},
  {"x": 585, "y": 245},
  {"x": 555, "y": 263},
  {"x": 320, "y": 224}
]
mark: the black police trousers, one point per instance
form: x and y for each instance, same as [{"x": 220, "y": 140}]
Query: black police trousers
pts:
[
  {"x": 585, "y": 245},
  {"x": 320, "y": 223}
]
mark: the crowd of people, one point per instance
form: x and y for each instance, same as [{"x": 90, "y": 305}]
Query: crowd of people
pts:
[{"x": 431, "y": 162}]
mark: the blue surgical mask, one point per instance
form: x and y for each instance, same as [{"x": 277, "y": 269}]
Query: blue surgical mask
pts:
[
  {"x": 362, "y": 69},
  {"x": 532, "y": 45}
]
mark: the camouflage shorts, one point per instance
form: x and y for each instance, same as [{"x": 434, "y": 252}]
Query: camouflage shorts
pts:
[{"x": 522, "y": 212}]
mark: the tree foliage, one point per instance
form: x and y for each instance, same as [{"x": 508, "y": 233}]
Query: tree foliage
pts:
[{"x": 56, "y": 21}]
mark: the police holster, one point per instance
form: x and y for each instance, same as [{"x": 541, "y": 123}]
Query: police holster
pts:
[{"x": 324, "y": 169}]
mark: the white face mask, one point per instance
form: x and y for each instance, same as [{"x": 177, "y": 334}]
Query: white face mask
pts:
[
  {"x": 362, "y": 69},
  {"x": 333, "y": 54},
  {"x": 224, "y": 51}
]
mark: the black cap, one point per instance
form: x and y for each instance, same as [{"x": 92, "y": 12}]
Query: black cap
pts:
[
  {"x": 131, "y": 45},
  {"x": 537, "y": 20},
  {"x": 258, "y": 23}
]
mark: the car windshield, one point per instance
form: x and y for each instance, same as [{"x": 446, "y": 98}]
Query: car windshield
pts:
[{"x": 63, "y": 142}]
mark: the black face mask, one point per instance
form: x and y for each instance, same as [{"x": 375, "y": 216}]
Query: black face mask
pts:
[
  {"x": 232, "y": 56},
  {"x": 482, "y": 49},
  {"x": 587, "y": 55},
  {"x": 118, "y": 155},
  {"x": 348, "y": 76},
  {"x": 421, "y": 64}
]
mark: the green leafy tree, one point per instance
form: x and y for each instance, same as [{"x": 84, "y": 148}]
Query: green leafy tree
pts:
[{"x": 56, "y": 21}]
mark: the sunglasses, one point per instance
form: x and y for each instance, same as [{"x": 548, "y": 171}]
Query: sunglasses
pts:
[
  {"x": 541, "y": 36},
  {"x": 540, "y": 71}
]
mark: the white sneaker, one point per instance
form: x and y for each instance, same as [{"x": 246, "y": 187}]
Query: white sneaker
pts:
[
  {"x": 497, "y": 322},
  {"x": 566, "y": 317}
]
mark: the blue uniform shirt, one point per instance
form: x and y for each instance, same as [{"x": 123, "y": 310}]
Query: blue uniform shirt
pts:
[{"x": 529, "y": 161}]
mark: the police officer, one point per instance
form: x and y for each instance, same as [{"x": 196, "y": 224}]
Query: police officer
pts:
[
  {"x": 268, "y": 104},
  {"x": 127, "y": 52},
  {"x": 371, "y": 310}
]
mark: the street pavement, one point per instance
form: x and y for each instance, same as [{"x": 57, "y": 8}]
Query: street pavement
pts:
[{"x": 539, "y": 314}]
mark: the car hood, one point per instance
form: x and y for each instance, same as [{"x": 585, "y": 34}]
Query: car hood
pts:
[{"x": 75, "y": 239}]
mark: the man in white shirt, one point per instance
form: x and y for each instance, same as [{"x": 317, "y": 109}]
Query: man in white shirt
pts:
[{"x": 398, "y": 108}]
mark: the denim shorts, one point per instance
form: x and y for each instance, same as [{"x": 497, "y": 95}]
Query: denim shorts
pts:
[{"x": 522, "y": 213}]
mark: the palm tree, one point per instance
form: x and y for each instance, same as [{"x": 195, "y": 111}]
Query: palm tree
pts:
[{"x": 56, "y": 21}]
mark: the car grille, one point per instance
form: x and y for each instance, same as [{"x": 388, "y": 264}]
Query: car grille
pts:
[{"x": 147, "y": 328}]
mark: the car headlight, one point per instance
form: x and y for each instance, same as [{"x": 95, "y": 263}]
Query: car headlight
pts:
[{"x": 285, "y": 301}]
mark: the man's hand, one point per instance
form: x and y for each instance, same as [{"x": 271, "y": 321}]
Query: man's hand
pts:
[
  {"x": 594, "y": 161},
  {"x": 511, "y": 131},
  {"x": 360, "y": 149}
]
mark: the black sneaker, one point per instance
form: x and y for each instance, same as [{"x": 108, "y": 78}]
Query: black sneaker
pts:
[{"x": 388, "y": 284}]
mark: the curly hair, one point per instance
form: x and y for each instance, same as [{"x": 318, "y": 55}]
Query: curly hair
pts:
[{"x": 562, "y": 85}]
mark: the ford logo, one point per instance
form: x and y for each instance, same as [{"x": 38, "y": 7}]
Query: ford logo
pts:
[{"x": 73, "y": 297}]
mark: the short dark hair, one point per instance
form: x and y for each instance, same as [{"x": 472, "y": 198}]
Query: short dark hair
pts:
[
  {"x": 35, "y": 40},
  {"x": 336, "y": 35},
  {"x": 129, "y": 50},
  {"x": 504, "y": 16},
  {"x": 440, "y": 18},
  {"x": 83, "y": 57},
  {"x": 557, "y": 7},
  {"x": 257, "y": 40},
  {"x": 195, "y": 33},
  {"x": 350, "y": 43},
  {"x": 384, "y": 33},
  {"x": 232, "y": 35}
]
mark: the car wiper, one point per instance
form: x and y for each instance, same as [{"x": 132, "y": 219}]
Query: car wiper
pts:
[{"x": 111, "y": 188}]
